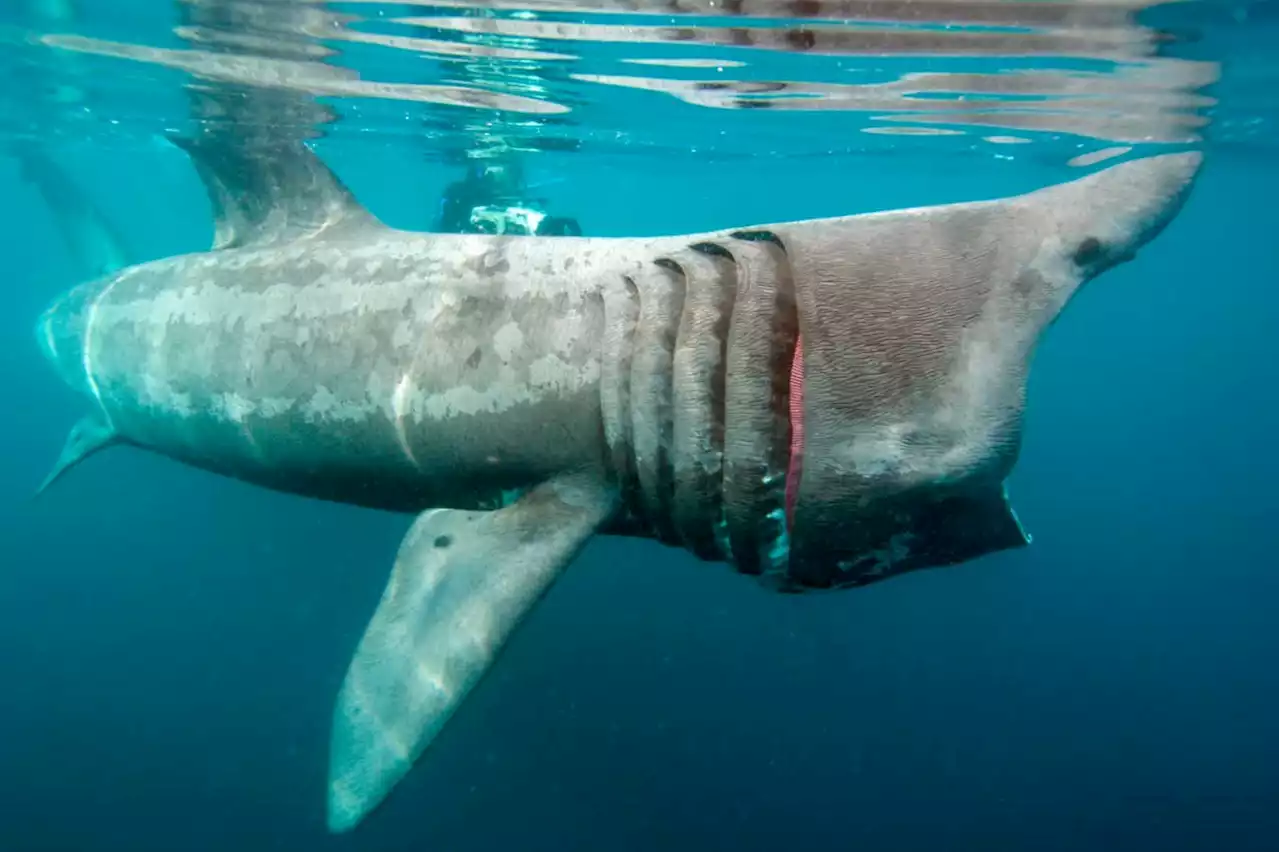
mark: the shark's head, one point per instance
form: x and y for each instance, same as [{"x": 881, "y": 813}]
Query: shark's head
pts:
[
  {"x": 916, "y": 330},
  {"x": 829, "y": 402}
]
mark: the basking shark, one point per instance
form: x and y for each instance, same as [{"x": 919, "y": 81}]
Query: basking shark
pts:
[{"x": 820, "y": 404}]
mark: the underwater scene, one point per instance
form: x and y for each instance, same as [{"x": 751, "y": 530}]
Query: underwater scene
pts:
[{"x": 634, "y": 425}]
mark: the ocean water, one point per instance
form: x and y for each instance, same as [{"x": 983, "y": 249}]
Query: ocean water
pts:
[{"x": 171, "y": 642}]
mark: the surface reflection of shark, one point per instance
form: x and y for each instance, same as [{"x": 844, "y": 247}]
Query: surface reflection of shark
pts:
[
  {"x": 821, "y": 404},
  {"x": 95, "y": 245}
]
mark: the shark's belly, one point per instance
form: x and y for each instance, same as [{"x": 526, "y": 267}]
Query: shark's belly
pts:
[{"x": 318, "y": 441}]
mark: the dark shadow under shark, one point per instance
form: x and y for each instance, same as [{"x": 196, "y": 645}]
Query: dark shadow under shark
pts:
[{"x": 821, "y": 404}]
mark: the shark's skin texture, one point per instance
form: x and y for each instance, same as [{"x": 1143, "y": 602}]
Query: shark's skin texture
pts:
[
  {"x": 633, "y": 386},
  {"x": 397, "y": 371}
]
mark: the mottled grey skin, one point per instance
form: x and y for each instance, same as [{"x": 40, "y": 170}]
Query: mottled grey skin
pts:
[
  {"x": 392, "y": 370},
  {"x": 405, "y": 371},
  {"x": 637, "y": 386}
]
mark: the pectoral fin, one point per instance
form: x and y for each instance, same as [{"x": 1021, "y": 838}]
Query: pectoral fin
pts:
[
  {"x": 87, "y": 437},
  {"x": 461, "y": 584}
]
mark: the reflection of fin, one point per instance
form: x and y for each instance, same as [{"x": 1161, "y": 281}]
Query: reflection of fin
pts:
[
  {"x": 264, "y": 192},
  {"x": 461, "y": 583},
  {"x": 89, "y": 435},
  {"x": 95, "y": 245}
]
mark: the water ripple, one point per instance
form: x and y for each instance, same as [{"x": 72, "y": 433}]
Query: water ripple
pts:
[{"x": 557, "y": 73}]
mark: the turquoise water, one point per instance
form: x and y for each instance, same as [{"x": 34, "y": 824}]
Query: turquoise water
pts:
[{"x": 171, "y": 642}]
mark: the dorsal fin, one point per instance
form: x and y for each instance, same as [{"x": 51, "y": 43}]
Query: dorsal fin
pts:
[{"x": 270, "y": 190}]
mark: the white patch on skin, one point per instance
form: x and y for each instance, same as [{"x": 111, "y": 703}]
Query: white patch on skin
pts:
[
  {"x": 324, "y": 405},
  {"x": 566, "y": 331},
  {"x": 180, "y": 404},
  {"x": 874, "y": 453},
  {"x": 235, "y": 407},
  {"x": 155, "y": 391},
  {"x": 507, "y": 341},
  {"x": 547, "y": 376},
  {"x": 552, "y": 372},
  {"x": 274, "y": 406},
  {"x": 240, "y": 408}
]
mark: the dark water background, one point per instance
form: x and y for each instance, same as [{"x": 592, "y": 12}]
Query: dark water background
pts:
[{"x": 171, "y": 642}]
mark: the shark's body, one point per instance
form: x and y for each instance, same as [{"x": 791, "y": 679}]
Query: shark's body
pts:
[
  {"x": 381, "y": 369},
  {"x": 821, "y": 403}
]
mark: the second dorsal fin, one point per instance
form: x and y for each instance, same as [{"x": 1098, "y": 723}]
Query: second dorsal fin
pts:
[{"x": 265, "y": 191}]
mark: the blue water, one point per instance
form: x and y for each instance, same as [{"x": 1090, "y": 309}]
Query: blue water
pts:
[{"x": 171, "y": 642}]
